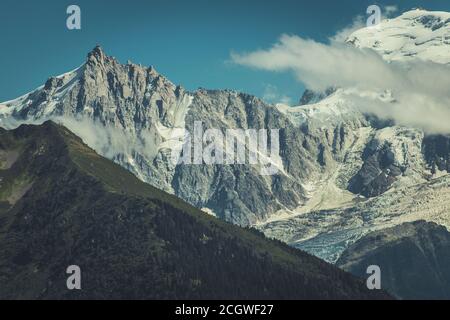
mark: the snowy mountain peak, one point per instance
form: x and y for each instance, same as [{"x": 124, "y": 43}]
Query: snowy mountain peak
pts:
[
  {"x": 425, "y": 17},
  {"x": 416, "y": 34}
]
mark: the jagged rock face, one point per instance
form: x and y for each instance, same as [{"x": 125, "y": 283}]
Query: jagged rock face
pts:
[
  {"x": 414, "y": 259},
  {"x": 376, "y": 176},
  {"x": 238, "y": 193},
  {"x": 130, "y": 113},
  {"x": 127, "y": 96},
  {"x": 312, "y": 97},
  {"x": 394, "y": 153}
]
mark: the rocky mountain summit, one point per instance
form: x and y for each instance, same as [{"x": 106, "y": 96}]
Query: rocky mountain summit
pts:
[{"x": 131, "y": 114}]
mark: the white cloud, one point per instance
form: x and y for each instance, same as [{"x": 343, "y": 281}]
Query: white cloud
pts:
[
  {"x": 420, "y": 88},
  {"x": 111, "y": 141},
  {"x": 389, "y": 11},
  {"x": 108, "y": 141},
  {"x": 272, "y": 95},
  {"x": 358, "y": 23}
]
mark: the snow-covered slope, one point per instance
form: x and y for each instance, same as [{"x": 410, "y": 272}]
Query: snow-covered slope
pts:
[
  {"x": 416, "y": 34},
  {"x": 327, "y": 233},
  {"x": 63, "y": 85},
  {"x": 332, "y": 110}
]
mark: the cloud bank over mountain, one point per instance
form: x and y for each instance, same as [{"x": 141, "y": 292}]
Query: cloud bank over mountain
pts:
[{"x": 413, "y": 92}]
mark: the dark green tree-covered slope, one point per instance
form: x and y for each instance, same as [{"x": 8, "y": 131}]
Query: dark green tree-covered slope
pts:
[
  {"x": 414, "y": 259},
  {"x": 62, "y": 204}
]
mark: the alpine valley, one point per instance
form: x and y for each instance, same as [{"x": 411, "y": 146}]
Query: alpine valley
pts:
[{"x": 343, "y": 176}]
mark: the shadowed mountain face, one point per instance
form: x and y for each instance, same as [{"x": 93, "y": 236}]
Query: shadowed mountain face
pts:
[
  {"x": 437, "y": 152},
  {"x": 62, "y": 204},
  {"x": 414, "y": 259}
]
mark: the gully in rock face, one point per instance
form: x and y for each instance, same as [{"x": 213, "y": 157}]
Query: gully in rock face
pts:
[{"x": 220, "y": 149}]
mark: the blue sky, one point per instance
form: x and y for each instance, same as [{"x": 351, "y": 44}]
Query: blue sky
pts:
[{"x": 188, "y": 41}]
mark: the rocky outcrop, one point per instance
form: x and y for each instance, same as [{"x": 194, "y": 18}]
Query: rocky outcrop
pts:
[
  {"x": 436, "y": 149},
  {"x": 312, "y": 97},
  {"x": 393, "y": 154}
]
